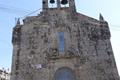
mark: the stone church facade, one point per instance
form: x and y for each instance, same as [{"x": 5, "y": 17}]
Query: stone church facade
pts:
[{"x": 61, "y": 44}]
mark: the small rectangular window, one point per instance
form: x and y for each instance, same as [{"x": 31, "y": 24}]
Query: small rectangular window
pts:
[{"x": 61, "y": 41}]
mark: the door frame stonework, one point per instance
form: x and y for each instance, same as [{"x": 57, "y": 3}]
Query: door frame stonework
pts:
[{"x": 64, "y": 72}]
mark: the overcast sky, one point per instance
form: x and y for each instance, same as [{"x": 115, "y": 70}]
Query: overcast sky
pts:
[{"x": 11, "y": 9}]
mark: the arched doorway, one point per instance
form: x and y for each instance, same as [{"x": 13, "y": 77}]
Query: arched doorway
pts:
[{"x": 64, "y": 74}]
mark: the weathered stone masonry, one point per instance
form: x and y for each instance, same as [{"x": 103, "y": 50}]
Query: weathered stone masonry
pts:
[{"x": 87, "y": 51}]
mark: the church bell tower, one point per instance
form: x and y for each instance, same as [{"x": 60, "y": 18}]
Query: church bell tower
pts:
[
  {"x": 61, "y": 44},
  {"x": 59, "y": 4}
]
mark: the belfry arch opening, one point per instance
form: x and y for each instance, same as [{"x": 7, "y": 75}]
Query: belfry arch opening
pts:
[
  {"x": 64, "y": 4},
  {"x": 52, "y": 3}
]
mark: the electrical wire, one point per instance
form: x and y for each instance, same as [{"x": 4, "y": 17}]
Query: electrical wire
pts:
[
  {"x": 15, "y": 10},
  {"x": 114, "y": 27},
  {"x": 30, "y": 13},
  {"x": 10, "y": 9}
]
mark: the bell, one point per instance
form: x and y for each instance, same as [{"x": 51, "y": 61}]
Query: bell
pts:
[
  {"x": 64, "y": 2},
  {"x": 52, "y": 1}
]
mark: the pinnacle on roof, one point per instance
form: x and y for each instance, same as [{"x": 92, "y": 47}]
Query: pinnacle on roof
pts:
[
  {"x": 18, "y": 21},
  {"x": 101, "y": 18}
]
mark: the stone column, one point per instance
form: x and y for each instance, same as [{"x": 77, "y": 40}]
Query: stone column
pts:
[
  {"x": 45, "y": 4},
  {"x": 72, "y": 5},
  {"x": 58, "y": 4}
]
